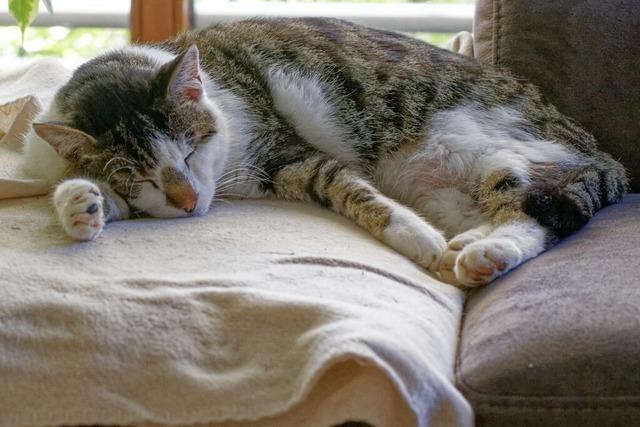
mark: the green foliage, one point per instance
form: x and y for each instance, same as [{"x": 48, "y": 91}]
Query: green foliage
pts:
[
  {"x": 24, "y": 12},
  {"x": 71, "y": 44}
]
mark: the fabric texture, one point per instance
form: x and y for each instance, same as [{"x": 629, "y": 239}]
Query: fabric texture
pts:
[
  {"x": 583, "y": 55},
  {"x": 556, "y": 342},
  {"x": 18, "y": 107},
  {"x": 259, "y": 313}
]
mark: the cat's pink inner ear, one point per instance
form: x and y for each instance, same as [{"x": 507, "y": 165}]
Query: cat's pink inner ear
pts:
[
  {"x": 186, "y": 83},
  {"x": 70, "y": 143}
]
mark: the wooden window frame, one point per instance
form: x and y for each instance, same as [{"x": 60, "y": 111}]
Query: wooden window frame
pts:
[{"x": 158, "y": 20}]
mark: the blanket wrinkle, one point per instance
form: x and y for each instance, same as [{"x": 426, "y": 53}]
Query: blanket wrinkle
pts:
[
  {"x": 233, "y": 324},
  {"x": 332, "y": 262}
]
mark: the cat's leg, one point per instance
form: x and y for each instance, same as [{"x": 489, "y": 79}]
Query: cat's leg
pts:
[
  {"x": 455, "y": 246},
  {"x": 565, "y": 199},
  {"x": 491, "y": 250},
  {"x": 459, "y": 216},
  {"x": 334, "y": 185},
  {"x": 83, "y": 207},
  {"x": 482, "y": 261}
]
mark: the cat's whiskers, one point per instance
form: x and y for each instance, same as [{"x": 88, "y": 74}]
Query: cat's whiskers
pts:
[
  {"x": 240, "y": 196},
  {"x": 235, "y": 176},
  {"x": 248, "y": 169},
  {"x": 215, "y": 200},
  {"x": 189, "y": 129},
  {"x": 130, "y": 168},
  {"x": 229, "y": 183},
  {"x": 129, "y": 161}
]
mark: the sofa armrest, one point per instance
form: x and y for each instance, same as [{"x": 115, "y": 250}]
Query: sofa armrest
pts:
[{"x": 584, "y": 56}]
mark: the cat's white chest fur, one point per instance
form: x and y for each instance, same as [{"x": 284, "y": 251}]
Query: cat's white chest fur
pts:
[{"x": 303, "y": 101}]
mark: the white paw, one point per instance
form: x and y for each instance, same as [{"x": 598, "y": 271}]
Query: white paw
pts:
[
  {"x": 415, "y": 239},
  {"x": 483, "y": 261},
  {"x": 453, "y": 250},
  {"x": 78, "y": 204}
]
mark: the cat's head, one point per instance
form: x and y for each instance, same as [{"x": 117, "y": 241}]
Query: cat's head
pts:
[{"x": 146, "y": 127}]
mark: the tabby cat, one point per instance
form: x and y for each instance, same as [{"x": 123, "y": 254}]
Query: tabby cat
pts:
[{"x": 463, "y": 169}]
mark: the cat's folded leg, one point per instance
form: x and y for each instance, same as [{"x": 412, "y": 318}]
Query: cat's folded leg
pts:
[
  {"x": 482, "y": 254},
  {"x": 83, "y": 207},
  {"x": 334, "y": 185}
]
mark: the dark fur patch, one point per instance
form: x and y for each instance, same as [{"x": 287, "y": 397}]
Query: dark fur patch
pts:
[
  {"x": 554, "y": 207},
  {"x": 506, "y": 183}
]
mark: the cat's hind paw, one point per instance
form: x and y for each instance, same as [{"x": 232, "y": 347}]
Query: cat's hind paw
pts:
[
  {"x": 483, "y": 261},
  {"x": 78, "y": 204},
  {"x": 454, "y": 247},
  {"x": 415, "y": 239}
]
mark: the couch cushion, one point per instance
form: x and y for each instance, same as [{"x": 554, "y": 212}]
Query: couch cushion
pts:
[
  {"x": 582, "y": 54},
  {"x": 557, "y": 341}
]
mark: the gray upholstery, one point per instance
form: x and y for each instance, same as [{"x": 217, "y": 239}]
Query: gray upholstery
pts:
[
  {"x": 583, "y": 54},
  {"x": 557, "y": 341}
]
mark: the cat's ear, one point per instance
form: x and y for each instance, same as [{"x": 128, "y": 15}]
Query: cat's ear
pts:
[
  {"x": 182, "y": 77},
  {"x": 72, "y": 144}
]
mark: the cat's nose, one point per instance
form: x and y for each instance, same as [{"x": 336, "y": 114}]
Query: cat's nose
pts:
[
  {"x": 178, "y": 190},
  {"x": 182, "y": 197},
  {"x": 190, "y": 206}
]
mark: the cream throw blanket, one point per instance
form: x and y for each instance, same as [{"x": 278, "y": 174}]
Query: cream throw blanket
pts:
[{"x": 260, "y": 313}]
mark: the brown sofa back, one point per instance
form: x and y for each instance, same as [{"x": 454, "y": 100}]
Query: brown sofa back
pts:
[{"x": 584, "y": 55}]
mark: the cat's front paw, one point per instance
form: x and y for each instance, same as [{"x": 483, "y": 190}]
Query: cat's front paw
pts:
[
  {"x": 78, "y": 203},
  {"x": 483, "y": 261},
  {"x": 415, "y": 239}
]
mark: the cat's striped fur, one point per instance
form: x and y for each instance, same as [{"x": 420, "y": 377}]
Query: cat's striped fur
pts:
[{"x": 406, "y": 139}]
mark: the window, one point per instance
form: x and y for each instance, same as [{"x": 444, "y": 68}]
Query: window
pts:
[
  {"x": 77, "y": 29},
  {"x": 434, "y": 21},
  {"x": 81, "y": 29}
]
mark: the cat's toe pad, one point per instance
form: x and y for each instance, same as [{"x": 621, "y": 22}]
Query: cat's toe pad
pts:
[
  {"x": 78, "y": 204},
  {"x": 416, "y": 239},
  {"x": 483, "y": 261}
]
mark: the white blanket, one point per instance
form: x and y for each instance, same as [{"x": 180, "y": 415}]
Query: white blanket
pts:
[{"x": 260, "y": 313}]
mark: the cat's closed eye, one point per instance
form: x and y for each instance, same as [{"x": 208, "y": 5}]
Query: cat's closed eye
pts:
[
  {"x": 186, "y": 159},
  {"x": 151, "y": 181}
]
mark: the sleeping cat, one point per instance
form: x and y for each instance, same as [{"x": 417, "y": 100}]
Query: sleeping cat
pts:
[{"x": 463, "y": 169}]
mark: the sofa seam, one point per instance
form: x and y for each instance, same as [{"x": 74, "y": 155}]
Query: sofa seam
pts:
[
  {"x": 497, "y": 30},
  {"x": 463, "y": 316},
  {"x": 472, "y": 394},
  {"x": 515, "y": 408},
  {"x": 529, "y": 404}
]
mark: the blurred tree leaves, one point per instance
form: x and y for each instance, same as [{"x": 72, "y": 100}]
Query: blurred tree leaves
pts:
[{"x": 24, "y": 12}]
